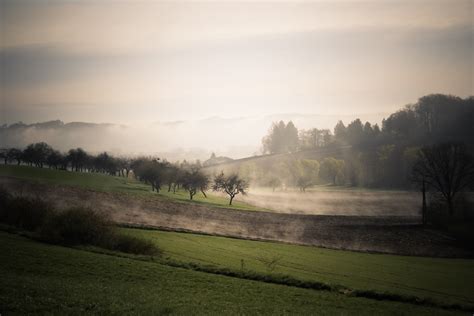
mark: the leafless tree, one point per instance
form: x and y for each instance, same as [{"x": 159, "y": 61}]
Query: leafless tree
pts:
[
  {"x": 232, "y": 185},
  {"x": 447, "y": 168}
]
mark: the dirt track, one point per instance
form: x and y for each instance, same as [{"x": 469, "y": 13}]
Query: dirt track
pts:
[{"x": 400, "y": 235}]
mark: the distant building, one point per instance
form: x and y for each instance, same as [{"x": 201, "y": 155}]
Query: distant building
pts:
[{"x": 216, "y": 160}]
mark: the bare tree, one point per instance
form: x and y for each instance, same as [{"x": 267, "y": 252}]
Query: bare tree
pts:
[
  {"x": 232, "y": 185},
  {"x": 448, "y": 168},
  {"x": 15, "y": 154},
  {"x": 194, "y": 181}
]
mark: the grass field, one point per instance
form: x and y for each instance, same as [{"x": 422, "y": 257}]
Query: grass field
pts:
[
  {"x": 44, "y": 279},
  {"x": 444, "y": 280},
  {"x": 101, "y": 182},
  {"x": 40, "y": 278}
]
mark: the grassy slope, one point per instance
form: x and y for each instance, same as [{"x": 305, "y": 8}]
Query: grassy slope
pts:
[
  {"x": 40, "y": 278},
  {"x": 442, "y": 279},
  {"x": 108, "y": 183}
]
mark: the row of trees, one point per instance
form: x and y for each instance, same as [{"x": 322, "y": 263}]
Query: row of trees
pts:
[
  {"x": 42, "y": 154},
  {"x": 189, "y": 177},
  {"x": 152, "y": 171}
]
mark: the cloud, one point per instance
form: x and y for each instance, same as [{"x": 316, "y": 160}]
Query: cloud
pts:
[
  {"x": 36, "y": 64},
  {"x": 166, "y": 61}
]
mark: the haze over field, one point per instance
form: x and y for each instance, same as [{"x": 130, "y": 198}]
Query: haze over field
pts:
[
  {"x": 173, "y": 140},
  {"x": 214, "y": 75}
]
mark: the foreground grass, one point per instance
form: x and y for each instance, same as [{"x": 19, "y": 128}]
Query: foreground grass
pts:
[
  {"x": 41, "y": 278},
  {"x": 443, "y": 280},
  {"x": 102, "y": 182}
]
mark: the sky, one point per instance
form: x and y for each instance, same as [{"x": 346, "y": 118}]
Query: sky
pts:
[{"x": 136, "y": 62}]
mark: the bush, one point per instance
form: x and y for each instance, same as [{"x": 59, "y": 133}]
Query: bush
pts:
[
  {"x": 82, "y": 226},
  {"x": 133, "y": 245},
  {"x": 76, "y": 226},
  {"x": 5, "y": 197},
  {"x": 23, "y": 212}
]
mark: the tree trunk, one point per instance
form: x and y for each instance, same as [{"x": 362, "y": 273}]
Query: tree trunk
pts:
[
  {"x": 423, "y": 209},
  {"x": 231, "y": 198},
  {"x": 450, "y": 206},
  {"x": 204, "y": 193}
]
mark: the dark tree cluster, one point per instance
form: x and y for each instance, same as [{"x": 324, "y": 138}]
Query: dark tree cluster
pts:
[
  {"x": 384, "y": 157},
  {"x": 159, "y": 174},
  {"x": 42, "y": 154},
  {"x": 447, "y": 169},
  {"x": 189, "y": 177}
]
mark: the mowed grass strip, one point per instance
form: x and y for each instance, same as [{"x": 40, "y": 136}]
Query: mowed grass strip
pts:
[
  {"x": 448, "y": 281},
  {"x": 42, "y": 279},
  {"x": 107, "y": 183},
  {"x": 94, "y": 181}
]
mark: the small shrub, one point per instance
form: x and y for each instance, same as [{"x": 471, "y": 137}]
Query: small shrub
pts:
[
  {"x": 77, "y": 226},
  {"x": 131, "y": 244},
  {"x": 5, "y": 197},
  {"x": 23, "y": 212}
]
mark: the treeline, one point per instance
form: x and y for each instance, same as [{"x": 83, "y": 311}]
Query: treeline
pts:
[
  {"x": 43, "y": 155},
  {"x": 157, "y": 173},
  {"x": 383, "y": 157}
]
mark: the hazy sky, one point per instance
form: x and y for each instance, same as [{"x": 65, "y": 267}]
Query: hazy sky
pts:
[{"x": 146, "y": 61}]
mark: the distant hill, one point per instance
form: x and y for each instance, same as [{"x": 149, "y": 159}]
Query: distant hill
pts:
[{"x": 318, "y": 154}]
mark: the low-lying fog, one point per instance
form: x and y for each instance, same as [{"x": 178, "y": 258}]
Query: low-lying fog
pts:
[
  {"x": 235, "y": 137},
  {"x": 337, "y": 202}
]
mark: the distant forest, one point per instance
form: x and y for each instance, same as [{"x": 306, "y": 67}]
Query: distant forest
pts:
[{"x": 381, "y": 157}]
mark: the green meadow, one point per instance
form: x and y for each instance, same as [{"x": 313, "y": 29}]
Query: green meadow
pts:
[
  {"x": 106, "y": 183},
  {"x": 185, "y": 279},
  {"x": 39, "y": 278},
  {"x": 436, "y": 278}
]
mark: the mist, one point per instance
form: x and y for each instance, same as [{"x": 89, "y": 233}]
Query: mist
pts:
[
  {"x": 336, "y": 202},
  {"x": 236, "y": 137}
]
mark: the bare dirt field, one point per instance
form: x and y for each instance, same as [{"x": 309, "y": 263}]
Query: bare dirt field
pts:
[{"x": 384, "y": 234}]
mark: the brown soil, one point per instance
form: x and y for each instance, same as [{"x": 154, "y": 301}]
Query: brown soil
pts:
[{"x": 396, "y": 234}]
